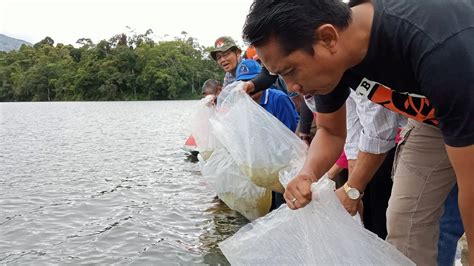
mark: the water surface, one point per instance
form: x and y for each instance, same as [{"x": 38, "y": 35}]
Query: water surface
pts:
[{"x": 105, "y": 182}]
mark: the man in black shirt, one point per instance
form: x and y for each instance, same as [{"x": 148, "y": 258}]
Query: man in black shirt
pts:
[{"x": 413, "y": 57}]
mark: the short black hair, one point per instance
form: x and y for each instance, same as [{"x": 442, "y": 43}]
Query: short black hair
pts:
[
  {"x": 212, "y": 85},
  {"x": 292, "y": 23},
  {"x": 353, "y": 3}
]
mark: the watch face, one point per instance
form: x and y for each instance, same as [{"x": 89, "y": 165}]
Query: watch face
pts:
[{"x": 353, "y": 193}]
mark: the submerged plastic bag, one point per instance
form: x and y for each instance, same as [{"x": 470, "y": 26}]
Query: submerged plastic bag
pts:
[
  {"x": 205, "y": 109},
  {"x": 235, "y": 189},
  {"x": 259, "y": 143},
  {"x": 322, "y": 233}
]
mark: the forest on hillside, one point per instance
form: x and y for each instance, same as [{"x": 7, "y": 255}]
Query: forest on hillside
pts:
[{"x": 125, "y": 67}]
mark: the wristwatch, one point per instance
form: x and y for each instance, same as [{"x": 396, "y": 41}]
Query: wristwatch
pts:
[{"x": 352, "y": 193}]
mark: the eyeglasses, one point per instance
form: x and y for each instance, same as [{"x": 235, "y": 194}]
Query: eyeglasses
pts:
[{"x": 223, "y": 54}]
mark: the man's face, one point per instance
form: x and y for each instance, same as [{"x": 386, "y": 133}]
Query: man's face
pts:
[
  {"x": 228, "y": 60},
  {"x": 304, "y": 73}
]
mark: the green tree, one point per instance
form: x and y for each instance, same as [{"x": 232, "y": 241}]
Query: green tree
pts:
[{"x": 128, "y": 66}]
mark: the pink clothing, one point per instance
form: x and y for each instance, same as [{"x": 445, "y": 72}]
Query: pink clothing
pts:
[
  {"x": 398, "y": 138},
  {"x": 342, "y": 161}
]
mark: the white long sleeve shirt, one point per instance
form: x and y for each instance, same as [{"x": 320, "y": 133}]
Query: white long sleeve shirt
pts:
[{"x": 371, "y": 128}]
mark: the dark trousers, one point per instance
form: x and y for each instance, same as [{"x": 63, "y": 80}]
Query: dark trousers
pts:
[
  {"x": 376, "y": 197},
  {"x": 277, "y": 200},
  {"x": 451, "y": 229}
]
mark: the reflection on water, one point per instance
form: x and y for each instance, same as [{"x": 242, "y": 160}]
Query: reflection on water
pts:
[
  {"x": 103, "y": 183},
  {"x": 226, "y": 223}
]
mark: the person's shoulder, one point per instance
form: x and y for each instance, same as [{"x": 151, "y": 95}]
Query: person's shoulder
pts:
[
  {"x": 443, "y": 19},
  {"x": 278, "y": 97},
  {"x": 277, "y": 92}
]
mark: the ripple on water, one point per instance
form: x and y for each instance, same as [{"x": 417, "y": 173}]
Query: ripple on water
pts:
[{"x": 103, "y": 183}]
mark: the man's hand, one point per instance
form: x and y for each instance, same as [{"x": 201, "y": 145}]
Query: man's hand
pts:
[
  {"x": 352, "y": 206},
  {"x": 298, "y": 192},
  {"x": 249, "y": 86},
  {"x": 212, "y": 100},
  {"x": 323, "y": 152}
]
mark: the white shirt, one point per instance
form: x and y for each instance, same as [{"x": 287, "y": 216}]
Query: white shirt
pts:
[{"x": 371, "y": 128}]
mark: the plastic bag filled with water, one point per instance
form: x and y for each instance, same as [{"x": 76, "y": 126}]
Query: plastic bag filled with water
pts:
[
  {"x": 259, "y": 143},
  {"x": 322, "y": 233},
  {"x": 235, "y": 189},
  {"x": 200, "y": 127}
]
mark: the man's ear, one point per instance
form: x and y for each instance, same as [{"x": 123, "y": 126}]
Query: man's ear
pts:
[{"x": 327, "y": 36}]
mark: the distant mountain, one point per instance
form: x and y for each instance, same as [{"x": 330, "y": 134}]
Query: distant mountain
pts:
[{"x": 8, "y": 43}]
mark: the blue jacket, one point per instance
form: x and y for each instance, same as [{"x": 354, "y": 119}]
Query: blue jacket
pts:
[{"x": 280, "y": 106}]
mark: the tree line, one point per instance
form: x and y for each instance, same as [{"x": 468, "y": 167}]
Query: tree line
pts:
[{"x": 125, "y": 67}]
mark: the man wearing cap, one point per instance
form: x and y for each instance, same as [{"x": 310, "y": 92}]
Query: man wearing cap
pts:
[
  {"x": 275, "y": 102},
  {"x": 227, "y": 55}
]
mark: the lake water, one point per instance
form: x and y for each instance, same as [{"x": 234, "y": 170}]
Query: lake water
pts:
[
  {"x": 103, "y": 183},
  {"x": 106, "y": 183}
]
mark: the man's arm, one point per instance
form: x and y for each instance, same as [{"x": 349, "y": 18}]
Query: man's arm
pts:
[
  {"x": 305, "y": 122},
  {"x": 375, "y": 136},
  {"x": 335, "y": 170},
  {"x": 325, "y": 148},
  {"x": 364, "y": 169},
  {"x": 462, "y": 160},
  {"x": 261, "y": 82}
]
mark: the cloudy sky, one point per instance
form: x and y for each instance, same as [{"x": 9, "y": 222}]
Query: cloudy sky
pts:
[{"x": 67, "y": 21}]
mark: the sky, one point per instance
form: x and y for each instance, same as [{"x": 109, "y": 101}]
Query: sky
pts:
[{"x": 66, "y": 21}]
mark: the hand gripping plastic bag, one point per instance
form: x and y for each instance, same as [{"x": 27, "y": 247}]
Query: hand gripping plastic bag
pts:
[
  {"x": 288, "y": 173},
  {"x": 200, "y": 127},
  {"x": 259, "y": 143},
  {"x": 235, "y": 189},
  {"x": 322, "y": 233}
]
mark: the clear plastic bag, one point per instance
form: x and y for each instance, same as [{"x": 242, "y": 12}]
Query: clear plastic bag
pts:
[
  {"x": 286, "y": 175},
  {"x": 235, "y": 189},
  {"x": 322, "y": 233},
  {"x": 200, "y": 127},
  {"x": 259, "y": 143}
]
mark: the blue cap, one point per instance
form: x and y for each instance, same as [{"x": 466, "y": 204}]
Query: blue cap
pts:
[{"x": 247, "y": 70}]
